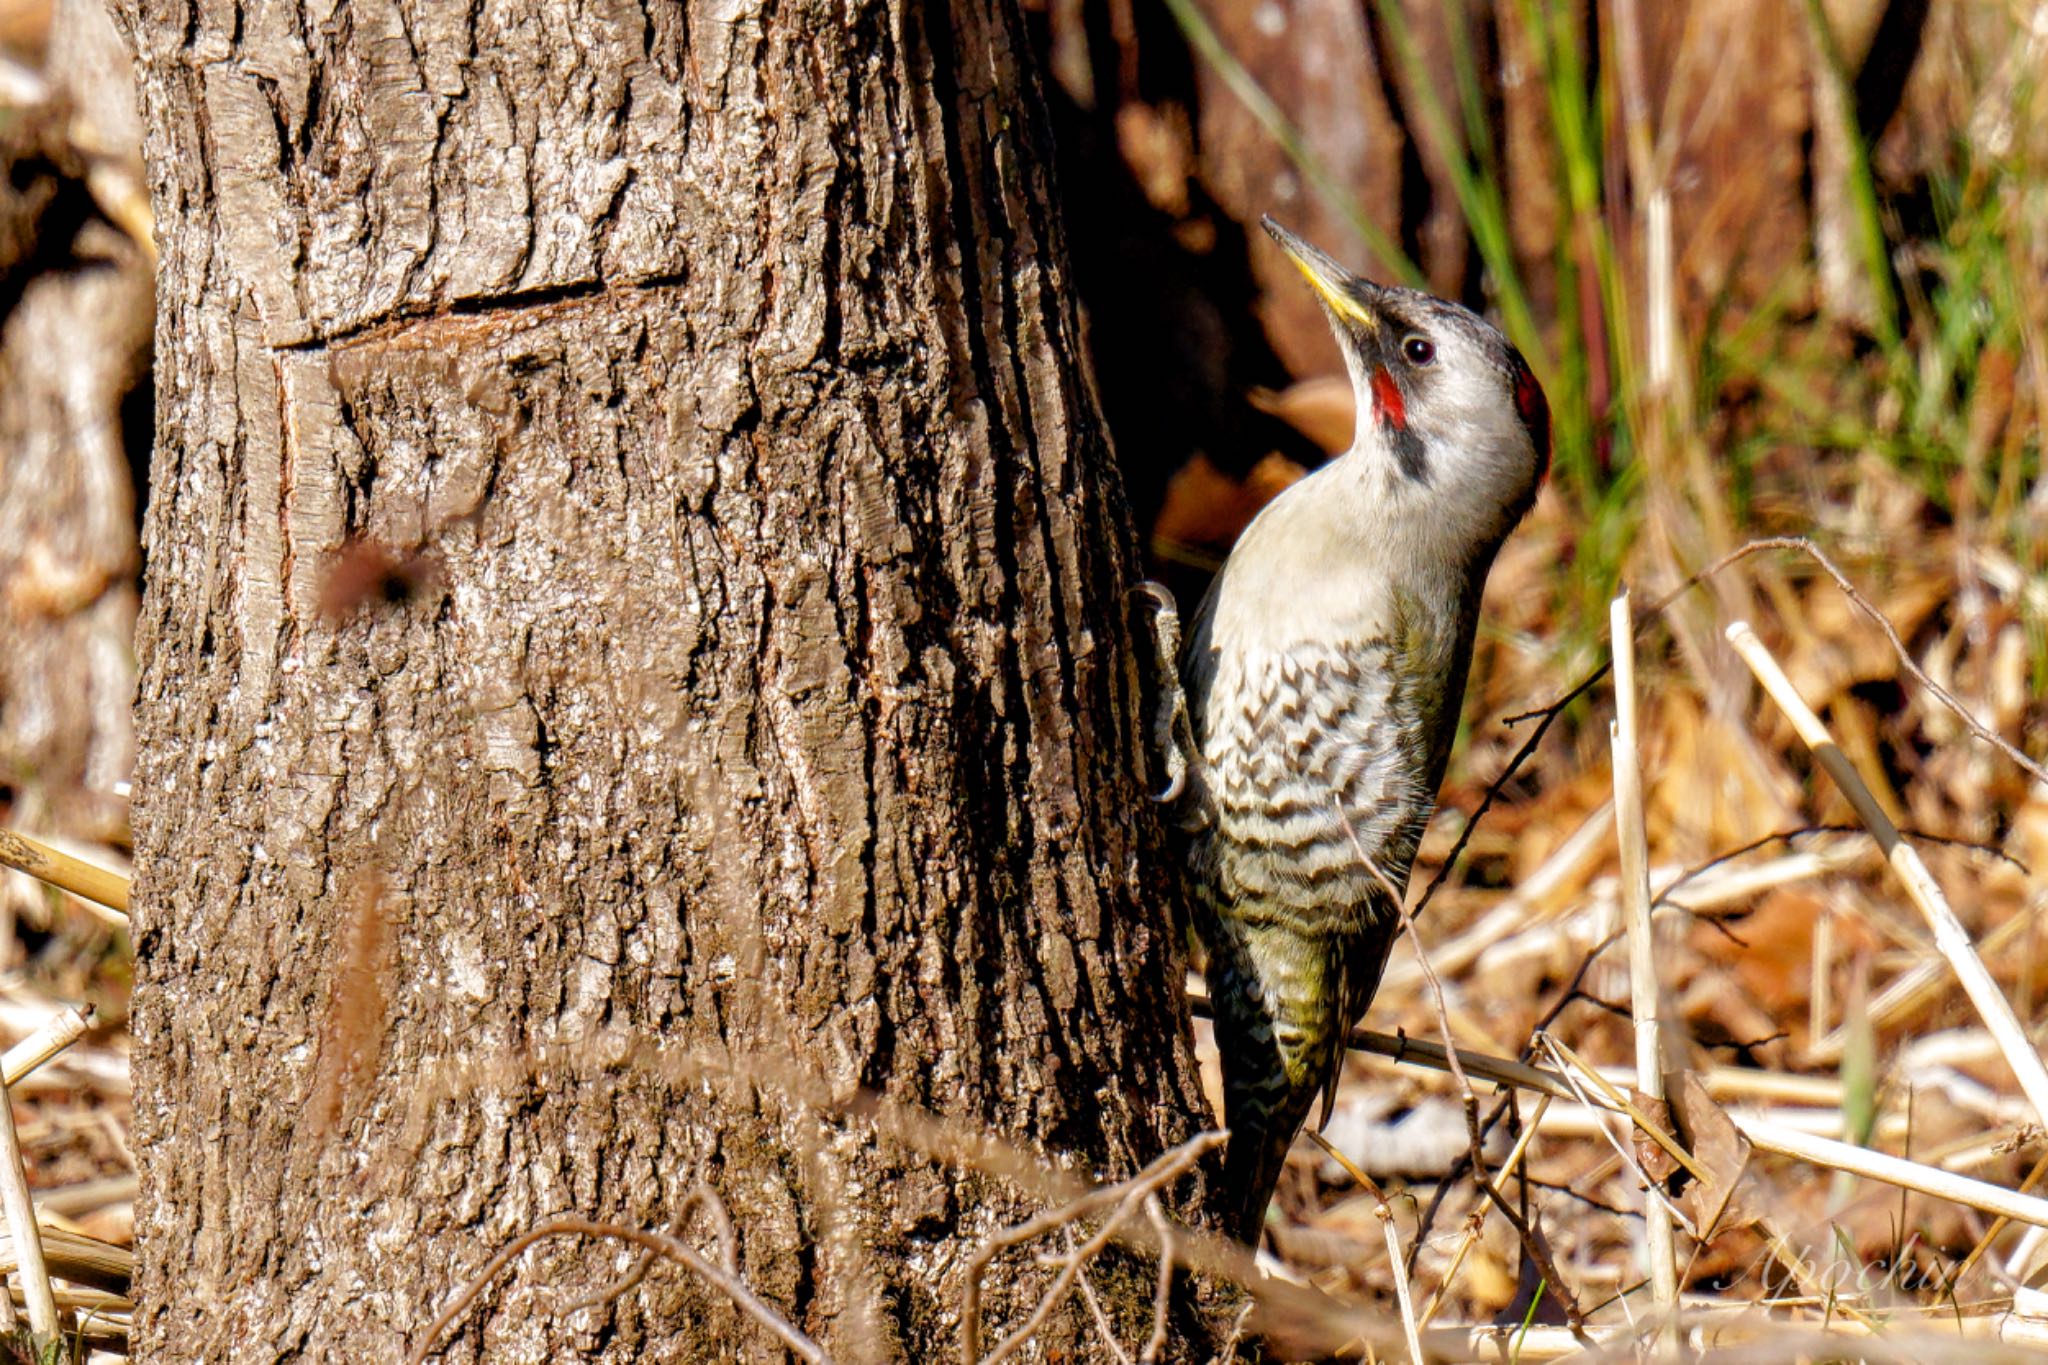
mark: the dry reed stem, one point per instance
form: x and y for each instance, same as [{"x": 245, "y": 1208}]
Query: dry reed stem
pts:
[
  {"x": 1766, "y": 1136},
  {"x": 65, "y": 1027},
  {"x": 80, "y": 1259},
  {"x": 658, "y": 1242},
  {"x": 1129, "y": 1198},
  {"x": 1402, "y": 1295},
  {"x": 1950, "y": 938},
  {"x": 61, "y": 870},
  {"x": 1633, "y": 842},
  {"x": 21, "y": 1222}
]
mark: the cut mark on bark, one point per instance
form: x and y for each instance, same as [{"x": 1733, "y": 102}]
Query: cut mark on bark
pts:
[{"x": 430, "y": 327}]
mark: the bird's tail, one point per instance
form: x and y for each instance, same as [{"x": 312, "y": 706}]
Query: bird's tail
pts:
[{"x": 1279, "y": 1031}]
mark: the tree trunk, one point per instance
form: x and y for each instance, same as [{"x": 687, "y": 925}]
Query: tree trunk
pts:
[{"x": 635, "y": 687}]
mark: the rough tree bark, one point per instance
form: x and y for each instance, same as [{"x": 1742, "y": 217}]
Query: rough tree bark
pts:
[{"x": 633, "y": 668}]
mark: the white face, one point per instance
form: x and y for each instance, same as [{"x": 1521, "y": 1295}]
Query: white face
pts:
[{"x": 1449, "y": 417}]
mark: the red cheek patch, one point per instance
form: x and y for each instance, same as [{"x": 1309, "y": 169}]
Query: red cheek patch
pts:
[
  {"x": 1386, "y": 400},
  {"x": 1535, "y": 414}
]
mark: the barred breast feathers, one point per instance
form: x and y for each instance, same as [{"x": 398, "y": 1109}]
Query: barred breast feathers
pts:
[
  {"x": 1308, "y": 756},
  {"x": 1323, "y": 692}
]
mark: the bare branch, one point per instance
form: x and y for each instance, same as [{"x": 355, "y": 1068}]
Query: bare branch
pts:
[
  {"x": 658, "y": 1242},
  {"x": 1128, "y": 1199},
  {"x": 728, "y": 1250}
]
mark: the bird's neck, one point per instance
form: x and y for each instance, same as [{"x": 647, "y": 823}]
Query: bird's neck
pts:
[{"x": 1347, "y": 552}]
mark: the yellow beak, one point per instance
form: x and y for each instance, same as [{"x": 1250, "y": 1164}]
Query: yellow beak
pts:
[{"x": 1332, "y": 282}]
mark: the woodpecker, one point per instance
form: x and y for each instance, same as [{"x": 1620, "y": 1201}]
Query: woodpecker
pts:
[{"x": 1320, "y": 690}]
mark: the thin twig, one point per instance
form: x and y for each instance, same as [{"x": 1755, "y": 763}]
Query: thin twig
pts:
[
  {"x": 1476, "y": 1224},
  {"x": 1857, "y": 600},
  {"x": 1547, "y": 715},
  {"x": 1102, "y": 1323},
  {"x": 1162, "y": 1228},
  {"x": 659, "y": 1242},
  {"x": 1475, "y": 1133},
  {"x": 728, "y": 1251},
  {"x": 1506, "y": 1103}
]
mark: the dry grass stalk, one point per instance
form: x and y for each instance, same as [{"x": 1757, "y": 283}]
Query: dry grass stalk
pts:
[
  {"x": 1633, "y": 842},
  {"x": 1950, "y": 938},
  {"x": 1125, "y": 1201},
  {"x": 63, "y": 871},
  {"x": 1402, "y": 1295},
  {"x": 658, "y": 1242}
]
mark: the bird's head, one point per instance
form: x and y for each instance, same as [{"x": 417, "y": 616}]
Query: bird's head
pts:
[{"x": 1450, "y": 418}]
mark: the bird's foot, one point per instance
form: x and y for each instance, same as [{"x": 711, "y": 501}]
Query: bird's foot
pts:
[{"x": 1172, "y": 730}]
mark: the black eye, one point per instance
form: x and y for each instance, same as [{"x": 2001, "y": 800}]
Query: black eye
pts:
[{"x": 1420, "y": 350}]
